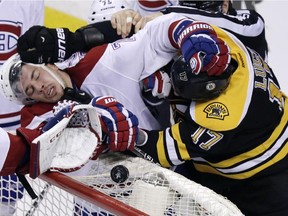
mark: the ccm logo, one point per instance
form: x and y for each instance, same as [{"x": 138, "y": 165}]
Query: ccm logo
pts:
[
  {"x": 61, "y": 44},
  {"x": 56, "y": 136}
]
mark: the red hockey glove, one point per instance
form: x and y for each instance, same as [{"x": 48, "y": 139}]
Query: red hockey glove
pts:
[
  {"x": 69, "y": 139},
  {"x": 159, "y": 83},
  {"x": 118, "y": 123},
  {"x": 201, "y": 47}
]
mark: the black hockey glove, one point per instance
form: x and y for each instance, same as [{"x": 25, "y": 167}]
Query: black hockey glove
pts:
[{"x": 45, "y": 45}]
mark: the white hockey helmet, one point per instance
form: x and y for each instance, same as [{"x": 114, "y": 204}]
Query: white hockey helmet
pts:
[
  {"x": 102, "y": 10},
  {"x": 10, "y": 87}
]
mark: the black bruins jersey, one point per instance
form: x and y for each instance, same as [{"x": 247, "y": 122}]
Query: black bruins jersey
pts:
[{"x": 238, "y": 134}]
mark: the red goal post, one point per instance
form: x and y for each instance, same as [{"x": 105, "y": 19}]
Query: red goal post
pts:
[
  {"x": 143, "y": 188},
  {"x": 93, "y": 196}
]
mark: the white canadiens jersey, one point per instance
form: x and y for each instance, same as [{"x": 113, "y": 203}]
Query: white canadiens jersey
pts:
[
  {"x": 117, "y": 69},
  {"x": 16, "y": 17}
]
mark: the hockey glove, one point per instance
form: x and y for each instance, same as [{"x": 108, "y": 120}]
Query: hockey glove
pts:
[
  {"x": 46, "y": 45},
  {"x": 201, "y": 47},
  {"x": 158, "y": 83},
  {"x": 68, "y": 140},
  {"x": 118, "y": 123}
]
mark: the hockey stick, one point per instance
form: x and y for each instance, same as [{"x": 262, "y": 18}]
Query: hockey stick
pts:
[
  {"x": 38, "y": 200},
  {"x": 140, "y": 153}
]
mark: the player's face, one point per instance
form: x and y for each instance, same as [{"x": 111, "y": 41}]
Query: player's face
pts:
[
  {"x": 225, "y": 6},
  {"x": 40, "y": 85}
]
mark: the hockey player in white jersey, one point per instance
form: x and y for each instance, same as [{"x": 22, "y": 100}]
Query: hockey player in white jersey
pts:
[
  {"x": 103, "y": 70},
  {"x": 16, "y": 17}
]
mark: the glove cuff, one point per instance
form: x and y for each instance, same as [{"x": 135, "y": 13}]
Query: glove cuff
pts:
[{"x": 28, "y": 134}]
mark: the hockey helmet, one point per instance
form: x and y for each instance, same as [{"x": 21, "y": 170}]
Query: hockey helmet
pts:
[
  {"x": 213, "y": 6},
  {"x": 10, "y": 87},
  {"x": 102, "y": 10},
  {"x": 201, "y": 86}
]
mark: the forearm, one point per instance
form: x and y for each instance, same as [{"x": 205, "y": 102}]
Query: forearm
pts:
[
  {"x": 99, "y": 33},
  {"x": 16, "y": 157}
]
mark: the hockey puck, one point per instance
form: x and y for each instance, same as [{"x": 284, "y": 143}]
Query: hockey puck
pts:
[{"x": 119, "y": 173}]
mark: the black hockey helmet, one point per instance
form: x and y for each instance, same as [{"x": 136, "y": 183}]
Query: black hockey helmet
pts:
[
  {"x": 213, "y": 6},
  {"x": 198, "y": 87}
]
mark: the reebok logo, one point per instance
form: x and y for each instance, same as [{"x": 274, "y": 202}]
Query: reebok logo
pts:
[
  {"x": 61, "y": 44},
  {"x": 109, "y": 100}
]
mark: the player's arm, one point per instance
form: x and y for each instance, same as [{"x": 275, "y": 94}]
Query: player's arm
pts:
[
  {"x": 247, "y": 25},
  {"x": 174, "y": 145},
  {"x": 15, "y": 152},
  {"x": 48, "y": 45}
]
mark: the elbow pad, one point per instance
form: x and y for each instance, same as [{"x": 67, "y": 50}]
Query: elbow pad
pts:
[{"x": 91, "y": 37}]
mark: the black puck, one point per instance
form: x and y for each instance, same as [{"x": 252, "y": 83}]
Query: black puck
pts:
[{"x": 119, "y": 173}]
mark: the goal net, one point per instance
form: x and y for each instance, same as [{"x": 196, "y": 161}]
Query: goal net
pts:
[{"x": 117, "y": 184}]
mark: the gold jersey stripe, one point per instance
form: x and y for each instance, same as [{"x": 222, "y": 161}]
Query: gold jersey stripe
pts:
[
  {"x": 279, "y": 156},
  {"x": 181, "y": 146},
  {"x": 161, "y": 150}
]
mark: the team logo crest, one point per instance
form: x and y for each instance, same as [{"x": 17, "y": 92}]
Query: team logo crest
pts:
[
  {"x": 216, "y": 110},
  {"x": 9, "y": 34}
]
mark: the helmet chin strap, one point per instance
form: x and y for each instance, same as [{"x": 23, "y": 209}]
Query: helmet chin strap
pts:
[
  {"x": 57, "y": 78},
  {"x": 47, "y": 69}
]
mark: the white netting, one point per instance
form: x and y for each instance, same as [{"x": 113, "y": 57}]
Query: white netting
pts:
[{"x": 142, "y": 185}]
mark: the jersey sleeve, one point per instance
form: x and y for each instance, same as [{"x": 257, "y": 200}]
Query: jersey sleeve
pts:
[{"x": 14, "y": 153}]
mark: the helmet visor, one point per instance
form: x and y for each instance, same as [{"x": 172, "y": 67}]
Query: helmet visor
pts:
[{"x": 15, "y": 82}]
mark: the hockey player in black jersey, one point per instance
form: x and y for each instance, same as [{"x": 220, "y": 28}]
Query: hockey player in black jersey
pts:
[
  {"x": 230, "y": 133},
  {"x": 235, "y": 142}
]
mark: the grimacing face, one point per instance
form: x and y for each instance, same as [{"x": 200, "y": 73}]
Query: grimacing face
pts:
[{"x": 40, "y": 85}]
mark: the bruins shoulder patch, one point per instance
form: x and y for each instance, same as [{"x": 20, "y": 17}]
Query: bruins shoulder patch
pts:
[{"x": 216, "y": 110}]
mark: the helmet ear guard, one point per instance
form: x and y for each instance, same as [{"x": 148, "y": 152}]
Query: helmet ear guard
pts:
[
  {"x": 10, "y": 86},
  {"x": 201, "y": 86}
]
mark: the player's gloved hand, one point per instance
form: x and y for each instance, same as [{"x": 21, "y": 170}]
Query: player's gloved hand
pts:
[
  {"x": 46, "y": 45},
  {"x": 158, "y": 83},
  {"x": 118, "y": 123},
  {"x": 68, "y": 141},
  {"x": 202, "y": 48},
  {"x": 63, "y": 109},
  {"x": 80, "y": 117}
]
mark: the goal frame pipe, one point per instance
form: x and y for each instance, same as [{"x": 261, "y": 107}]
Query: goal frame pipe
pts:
[{"x": 92, "y": 195}]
